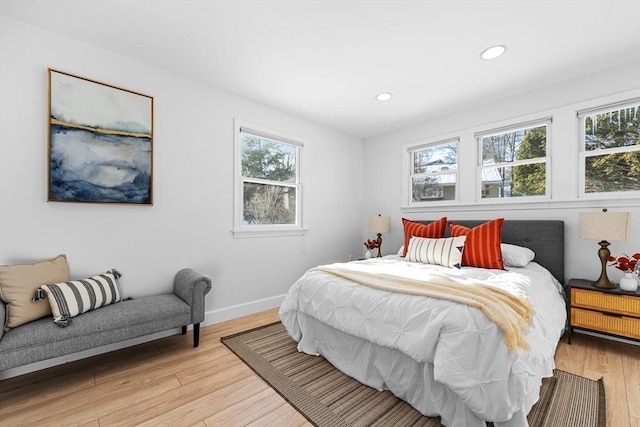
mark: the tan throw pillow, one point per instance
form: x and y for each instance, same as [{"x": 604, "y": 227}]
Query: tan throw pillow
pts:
[{"x": 18, "y": 284}]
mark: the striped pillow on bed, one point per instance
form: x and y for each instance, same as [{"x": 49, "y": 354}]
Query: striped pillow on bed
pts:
[
  {"x": 446, "y": 251},
  {"x": 69, "y": 299}
]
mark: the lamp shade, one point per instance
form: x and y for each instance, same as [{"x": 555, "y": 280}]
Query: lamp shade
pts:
[
  {"x": 604, "y": 225},
  {"x": 379, "y": 224}
]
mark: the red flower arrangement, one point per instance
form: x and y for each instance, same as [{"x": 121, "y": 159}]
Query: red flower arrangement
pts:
[
  {"x": 625, "y": 263},
  {"x": 371, "y": 244}
]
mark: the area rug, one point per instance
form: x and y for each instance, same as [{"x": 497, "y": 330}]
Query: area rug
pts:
[{"x": 328, "y": 398}]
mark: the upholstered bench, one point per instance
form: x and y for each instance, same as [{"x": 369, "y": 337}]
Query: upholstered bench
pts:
[{"x": 42, "y": 339}]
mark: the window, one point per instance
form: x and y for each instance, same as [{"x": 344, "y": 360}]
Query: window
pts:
[
  {"x": 268, "y": 188},
  {"x": 610, "y": 149},
  {"x": 514, "y": 161},
  {"x": 433, "y": 172}
]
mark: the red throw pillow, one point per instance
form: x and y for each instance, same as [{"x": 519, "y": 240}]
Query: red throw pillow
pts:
[
  {"x": 433, "y": 230},
  {"x": 482, "y": 248}
]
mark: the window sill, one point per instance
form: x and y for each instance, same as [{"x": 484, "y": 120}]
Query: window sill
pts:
[
  {"x": 611, "y": 202},
  {"x": 243, "y": 233}
]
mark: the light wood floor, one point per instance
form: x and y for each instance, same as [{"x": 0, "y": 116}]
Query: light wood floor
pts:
[{"x": 168, "y": 382}]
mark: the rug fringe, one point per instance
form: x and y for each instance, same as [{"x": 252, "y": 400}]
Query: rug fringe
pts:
[{"x": 602, "y": 405}]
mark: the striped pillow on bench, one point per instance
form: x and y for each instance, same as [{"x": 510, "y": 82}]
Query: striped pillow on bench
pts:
[{"x": 70, "y": 299}]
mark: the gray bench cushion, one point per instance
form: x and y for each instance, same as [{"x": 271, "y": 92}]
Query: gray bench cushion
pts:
[{"x": 106, "y": 325}]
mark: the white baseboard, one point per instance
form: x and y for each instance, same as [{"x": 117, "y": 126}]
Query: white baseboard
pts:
[
  {"x": 210, "y": 318},
  {"x": 235, "y": 311}
]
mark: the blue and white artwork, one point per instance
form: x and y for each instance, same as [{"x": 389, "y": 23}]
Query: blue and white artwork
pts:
[{"x": 100, "y": 142}]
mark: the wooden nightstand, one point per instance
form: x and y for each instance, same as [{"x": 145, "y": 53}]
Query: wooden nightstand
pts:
[{"x": 609, "y": 311}]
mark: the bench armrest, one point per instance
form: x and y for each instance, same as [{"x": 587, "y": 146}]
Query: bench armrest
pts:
[
  {"x": 192, "y": 287},
  {"x": 3, "y": 314}
]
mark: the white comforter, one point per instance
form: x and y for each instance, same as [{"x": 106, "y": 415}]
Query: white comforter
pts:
[{"x": 463, "y": 351}]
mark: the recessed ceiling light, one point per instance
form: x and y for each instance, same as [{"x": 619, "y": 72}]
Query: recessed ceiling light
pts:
[
  {"x": 384, "y": 96},
  {"x": 493, "y": 52}
]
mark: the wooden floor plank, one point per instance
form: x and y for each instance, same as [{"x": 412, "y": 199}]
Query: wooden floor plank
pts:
[
  {"x": 604, "y": 360},
  {"x": 284, "y": 415},
  {"x": 208, "y": 404},
  {"x": 189, "y": 373},
  {"x": 570, "y": 357},
  {"x": 163, "y": 363},
  {"x": 36, "y": 393},
  {"x": 156, "y": 406},
  {"x": 86, "y": 405},
  {"x": 248, "y": 410},
  {"x": 631, "y": 368}
]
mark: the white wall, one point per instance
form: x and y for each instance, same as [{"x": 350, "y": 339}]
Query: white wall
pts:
[
  {"x": 384, "y": 155},
  {"x": 190, "y": 223},
  {"x": 191, "y": 220}
]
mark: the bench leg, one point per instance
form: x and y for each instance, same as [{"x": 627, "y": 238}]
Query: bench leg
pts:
[
  {"x": 196, "y": 334},
  {"x": 184, "y": 330}
]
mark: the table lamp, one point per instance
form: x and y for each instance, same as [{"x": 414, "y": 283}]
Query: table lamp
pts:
[
  {"x": 379, "y": 225},
  {"x": 604, "y": 226}
]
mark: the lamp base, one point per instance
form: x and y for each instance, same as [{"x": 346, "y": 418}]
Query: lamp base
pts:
[
  {"x": 379, "y": 239},
  {"x": 603, "y": 281}
]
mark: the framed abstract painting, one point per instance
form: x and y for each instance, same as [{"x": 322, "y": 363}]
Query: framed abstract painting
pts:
[{"x": 100, "y": 142}]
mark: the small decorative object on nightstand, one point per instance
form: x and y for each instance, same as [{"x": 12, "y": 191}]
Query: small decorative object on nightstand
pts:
[
  {"x": 628, "y": 283},
  {"x": 609, "y": 311},
  {"x": 628, "y": 265},
  {"x": 370, "y": 245}
]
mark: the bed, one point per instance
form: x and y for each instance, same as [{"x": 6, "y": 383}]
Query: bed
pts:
[{"x": 444, "y": 358}]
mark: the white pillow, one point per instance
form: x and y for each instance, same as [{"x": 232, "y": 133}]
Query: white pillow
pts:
[
  {"x": 516, "y": 256},
  {"x": 446, "y": 251}
]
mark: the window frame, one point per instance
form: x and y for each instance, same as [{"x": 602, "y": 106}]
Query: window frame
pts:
[
  {"x": 240, "y": 229},
  {"x": 408, "y": 174},
  {"x": 583, "y": 154},
  {"x": 546, "y": 160}
]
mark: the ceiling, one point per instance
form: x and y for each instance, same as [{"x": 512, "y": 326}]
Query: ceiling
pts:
[{"x": 327, "y": 60}]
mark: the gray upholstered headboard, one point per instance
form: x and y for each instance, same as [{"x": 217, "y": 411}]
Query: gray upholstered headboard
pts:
[{"x": 544, "y": 237}]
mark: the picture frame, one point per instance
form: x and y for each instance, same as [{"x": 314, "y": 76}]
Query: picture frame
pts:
[{"x": 100, "y": 142}]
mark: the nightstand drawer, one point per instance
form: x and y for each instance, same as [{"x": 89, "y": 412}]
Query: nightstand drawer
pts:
[
  {"x": 624, "y": 326},
  {"x": 622, "y": 304}
]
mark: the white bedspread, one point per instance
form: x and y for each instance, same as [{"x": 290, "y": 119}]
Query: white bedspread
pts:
[{"x": 464, "y": 350}]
